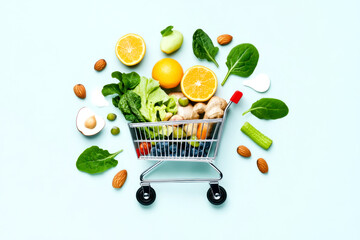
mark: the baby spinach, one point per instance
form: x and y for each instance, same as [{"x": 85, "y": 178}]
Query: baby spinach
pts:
[
  {"x": 110, "y": 89},
  {"x": 167, "y": 31},
  {"x": 96, "y": 160},
  {"x": 130, "y": 104},
  {"x": 203, "y": 47},
  {"x": 268, "y": 108},
  {"x": 242, "y": 60}
]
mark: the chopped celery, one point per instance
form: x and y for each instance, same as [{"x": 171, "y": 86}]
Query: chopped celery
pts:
[{"x": 259, "y": 138}]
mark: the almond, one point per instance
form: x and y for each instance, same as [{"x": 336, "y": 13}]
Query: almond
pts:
[
  {"x": 100, "y": 65},
  {"x": 119, "y": 179},
  {"x": 224, "y": 39},
  {"x": 80, "y": 91},
  {"x": 262, "y": 165},
  {"x": 243, "y": 151}
]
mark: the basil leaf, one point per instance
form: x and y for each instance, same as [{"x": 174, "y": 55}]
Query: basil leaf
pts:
[
  {"x": 242, "y": 60},
  {"x": 130, "y": 80},
  {"x": 110, "y": 89},
  {"x": 96, "y": 160},
  {"x": 167, "y": 31},
  {"x": 268, "y": 108},
  {"x": 203, "y": 47}
]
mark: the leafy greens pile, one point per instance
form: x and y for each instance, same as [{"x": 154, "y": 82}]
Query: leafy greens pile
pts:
[{"x": 139, "y": 99}]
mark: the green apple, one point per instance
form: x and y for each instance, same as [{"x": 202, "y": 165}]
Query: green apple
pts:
[{"x": 171, "y": 42}]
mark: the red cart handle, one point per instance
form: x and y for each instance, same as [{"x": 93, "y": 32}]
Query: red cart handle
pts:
[{"x": 236, "y": 97}]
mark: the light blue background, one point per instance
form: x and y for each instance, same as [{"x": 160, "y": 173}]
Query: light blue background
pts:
[{"x": 310, "y": 49}]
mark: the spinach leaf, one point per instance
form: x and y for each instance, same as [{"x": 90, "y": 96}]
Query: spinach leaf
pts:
[
  {"x": 110, "y": 89},
  {"x": 130, "y": 80},
  {"x": 167, "y": 31},
  {"x": 115, "y": 101},
  {"x": 268, "y": 108},
  {"x": 242, "y": 60},
  {"x": 203, "y": 47},
  {"x": 129, "y": 104},
  {"x": 96, "y": 160}
]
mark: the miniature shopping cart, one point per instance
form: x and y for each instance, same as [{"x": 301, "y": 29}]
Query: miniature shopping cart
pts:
[{"x": 175, "y": 141}]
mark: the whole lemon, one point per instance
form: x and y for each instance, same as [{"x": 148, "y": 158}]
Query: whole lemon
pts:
[{"x": 168, "y": 72}]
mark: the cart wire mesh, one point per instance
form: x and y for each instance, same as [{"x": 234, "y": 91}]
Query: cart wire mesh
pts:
[{"x": 175, "y": 140}]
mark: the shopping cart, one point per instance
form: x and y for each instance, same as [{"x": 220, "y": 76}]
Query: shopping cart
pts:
[{"x": 174, "y": 141}]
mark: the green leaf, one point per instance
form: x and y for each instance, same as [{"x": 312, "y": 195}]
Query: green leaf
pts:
[
  {"x": 110, "y": 89},
  {"x": 268, "y": 108},
  {"x": 167, "y": 31},
  {"x": 131, "y": 80},
  {"x": 96, "y": 160},
  {"x": 115, "y": 101},
  {"x": 242, "y": 60},
  {"x": 117, "y": 75},
  {"x": 203, "y": 47}
]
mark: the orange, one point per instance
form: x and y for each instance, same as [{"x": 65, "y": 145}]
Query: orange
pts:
[
  {"x": 199, "y": 83},
  {"x": 130, "y": 49},
  {"x": 168, "y": 72}
]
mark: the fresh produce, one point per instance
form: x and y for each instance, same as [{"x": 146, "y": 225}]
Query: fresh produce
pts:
[
  {"x": 183, "y": 101},
  {"x": 171, "y": 40},
  {"x": 255, "y": 135},
  {"x": 88, "y": 123},
  {"x": 154, "y": 101},
  {"x": 243, "y": 151},
  {"x": 96, "y": 160},
  {"x": 224, "y": 39},
  {"x": 242, "y": 61},
  {"x": 268, "y": 108},
  {"x": 100, "y": 65},
  {"x": 165, "y": 149},
  {"x": 194, "y": 141},
  {"x": 80, "y": 91},
  {"x": 130, "y": 49},
  {"x": 145, "y": 148},
  {"x": 199, "y": 83},
  {"x": 111, "y": 116},
  {"x": 119, "y": 179},
  {"x": 178, "y": 133},
  {"x": 115, "y": 130},
  {"x": 127, "y": 101},
  {"x": 203, "y": 130},
  {"x": 260, "y": 83},
  {"x": 203, "y": 47},
  {"x": 262, "y": 165},
  {"x": 168, "y": 72}
]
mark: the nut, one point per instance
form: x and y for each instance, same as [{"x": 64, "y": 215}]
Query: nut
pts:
[
  {"x": 119, "y": 179},
  {"x": 80, "y": 91},
  {"x": 224, "y": 39},
  {"x": 262, "y": 165},
  {"x": 100, "y": 65},
  {"x": 243, "y": 151}
]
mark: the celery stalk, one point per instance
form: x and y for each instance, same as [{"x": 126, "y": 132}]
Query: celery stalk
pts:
[{"x": 259, "y": 138}]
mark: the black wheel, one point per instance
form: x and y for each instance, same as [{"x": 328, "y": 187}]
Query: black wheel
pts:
[
  {"x": 217, "y": 200},
  {"x": 145, "y": 200}
]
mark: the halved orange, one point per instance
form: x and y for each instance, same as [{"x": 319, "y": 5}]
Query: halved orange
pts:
[
  {"x": 199, "y": 83},
  {"x": 130, "y": 49}
]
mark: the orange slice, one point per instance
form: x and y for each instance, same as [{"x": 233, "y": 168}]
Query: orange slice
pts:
[
  {"x": 130, "y": 49},
  {"x": 199, "y": 83}
]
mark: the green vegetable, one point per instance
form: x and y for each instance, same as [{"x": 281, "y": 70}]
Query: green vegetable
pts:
[
  {"x": 259, "y": 138},
  {"x": 110, "y": 89},
  {"x": 130, "y": 104},
  {"x": 154, "y": 101},
  {"x": 96, "y": 160},
  {"x": 242, "y": 60},
  {"x": 178, "y": 132},
  {"x": 203, "y": 47},
  {"x": 167, "y": 31},
  {"x": 115, "y": 130},
  {"x": 111, "y": 116},
  {"x": 194, "y": 141},
  {"x": 268, "y": 108},
  {"x": 171, "y": 41},
  {"x": 183, "y": 101}
]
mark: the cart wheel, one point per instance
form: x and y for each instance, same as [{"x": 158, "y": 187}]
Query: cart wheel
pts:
[
  {"x": 145, "y": 200},
  {"x": 217, "y": 200}
]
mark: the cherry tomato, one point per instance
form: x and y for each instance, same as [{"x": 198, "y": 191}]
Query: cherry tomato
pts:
[{"x": 145, "y": 148}]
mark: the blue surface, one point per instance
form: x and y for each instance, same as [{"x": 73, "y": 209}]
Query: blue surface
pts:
[{"x": 310, "y": 49}]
